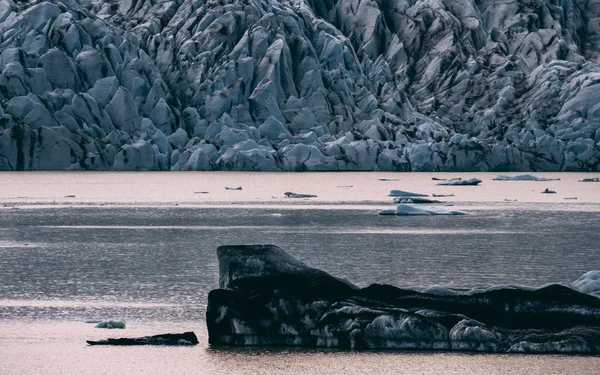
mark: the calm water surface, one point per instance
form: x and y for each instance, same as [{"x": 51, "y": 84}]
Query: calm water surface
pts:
[{"x": 150, "y": 259}]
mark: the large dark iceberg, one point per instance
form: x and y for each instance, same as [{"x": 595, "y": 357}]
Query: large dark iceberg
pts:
[
  {"x": 266, "y": 297},
  {"x": 300, "y": 85}
]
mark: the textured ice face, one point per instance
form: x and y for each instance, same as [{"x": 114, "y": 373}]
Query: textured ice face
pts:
[
  {"x": 268, "y": 297},
  {"x": 443, "y": 85}
]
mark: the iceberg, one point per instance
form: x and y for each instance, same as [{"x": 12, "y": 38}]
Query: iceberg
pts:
[
  {"x": 415, "y": 200},
  {"x": 110, "y": 324},
  {"x": 402, "y": 193},
  {"x": 593, "y": 179},
  {"x": 460, "y": 182},
  {"x": 266, "y": 297},
  {"x": 289, "y": 194},
  {"x": 409, "y": 209},
  {"x": 523, "y": 177}
]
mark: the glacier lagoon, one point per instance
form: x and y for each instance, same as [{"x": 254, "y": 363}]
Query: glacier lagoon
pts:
[{"x": 142, "y": 247}]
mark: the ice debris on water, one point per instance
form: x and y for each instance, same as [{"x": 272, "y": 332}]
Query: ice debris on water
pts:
[
  {"x": 410, "y": 210},
  {"x": 460, "y": 182},
  {"x": 523, "y": 177},
  {"x": 289, "y": 194}
]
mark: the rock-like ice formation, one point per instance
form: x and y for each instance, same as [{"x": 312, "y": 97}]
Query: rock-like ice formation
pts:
[
  {"x": 592, "y": 179},
  {"x": 298, "y": 85},
  {"x": 410, "y": 210},
  {"x": 267, "y": 297}
]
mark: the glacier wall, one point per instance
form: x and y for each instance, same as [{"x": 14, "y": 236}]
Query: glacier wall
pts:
[{"x": 300, "y": 85}]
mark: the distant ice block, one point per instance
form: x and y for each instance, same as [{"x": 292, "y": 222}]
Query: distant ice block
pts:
[
  {"x": 460, "y": 182},
  {"x": 415, "y": 200},
  {"x": 592, "y": 179},
  {"x": 402, "y": 193},
  {"x": 110, "y": 324},
  {"x": 408, "y": 209},
  {"x": 523, "y": 177},
  {"x": 289, "y": 194}
]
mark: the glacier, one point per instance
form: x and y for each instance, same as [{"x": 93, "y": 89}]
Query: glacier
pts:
[
  {"x": 266, "y": 297},
  {"x": 300, "y": 85}
]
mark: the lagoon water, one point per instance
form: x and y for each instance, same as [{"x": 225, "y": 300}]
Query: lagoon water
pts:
[{"x": 142, "y": 247}]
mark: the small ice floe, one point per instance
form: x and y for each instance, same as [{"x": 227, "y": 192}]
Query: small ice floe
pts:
[
  {"x": 570, "y": 198},
  {"x": 507, "y": 214},
  {"x": 69, "y": 196},
  {"x": 409, "y": 210},
  {"x": 202, "y": 192},
  {"x": 289, "y": 194},
  {"x": 169, "y": 339},
  {"x": 592, "y": 179},
  {"x": 548, "y": 191},
  {"x": 415, "y": 200},
  {"x": 460, "y": 182},
  {"x": 510, "y": 200},
  {"x": 344, "y": 186},
  {"x": 402, "y": 193},
  {"x": 233, "y": 188},
  {"x": 442, "y": 195},
  {"x": 523, "y": 177},
  {"x": 388, "y": 179},
  {"x": 111, "y": 324}
]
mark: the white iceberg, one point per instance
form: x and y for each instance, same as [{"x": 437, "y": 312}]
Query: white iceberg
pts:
[
  {"x": 523, "y": 177},
  {"x": 592, "y": 179},
  {"x": 408, "y": 209},
  {"x": 588, "y": 283},
  {"x": 110, "y": 324}
]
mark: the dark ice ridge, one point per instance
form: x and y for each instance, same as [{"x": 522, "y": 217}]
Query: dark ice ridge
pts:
[
  {"x": 300, "y": 85},
  {"x": 266, "y": 297},
  {"x": 167, "y": 339}
]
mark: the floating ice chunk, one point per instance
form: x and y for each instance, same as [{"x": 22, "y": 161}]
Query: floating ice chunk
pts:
[
  {"x": 110, "y": 324},
  {"x": 592, "y": 179},
  {"x": 588, "y": 283},
  {"x": 407, "y": 209},
  {"x": 460, "y": 182},
  {"x": 402, "y": 193},
  {"x": 523, "y": 177},
  {"x": 233, "y": 188},
  {"x": 415, "y": 200},
  {"x": 289, "y": 194},
  {"x": 169, "y": 339}
]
